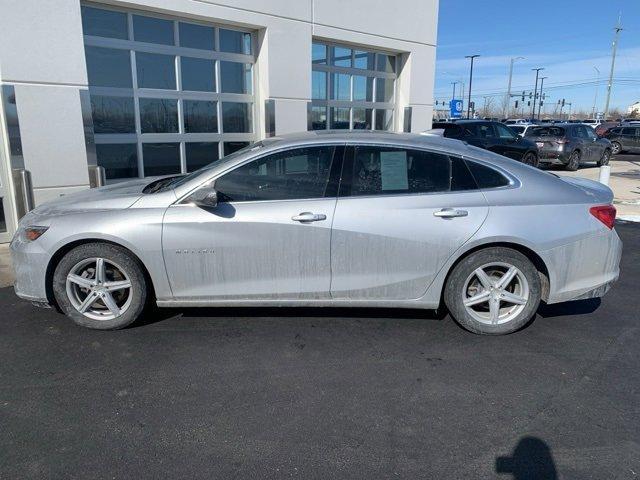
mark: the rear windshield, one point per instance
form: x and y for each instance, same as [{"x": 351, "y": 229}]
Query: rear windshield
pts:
[{"x": 545, "y": 132}]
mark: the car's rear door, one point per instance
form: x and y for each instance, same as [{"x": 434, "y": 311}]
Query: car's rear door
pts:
[
  {"x": 269, "y": 236},
  {"x": 401, "y": 213}
]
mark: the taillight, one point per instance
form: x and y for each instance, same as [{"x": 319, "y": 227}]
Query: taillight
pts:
[{"x": 605, "y": 213}]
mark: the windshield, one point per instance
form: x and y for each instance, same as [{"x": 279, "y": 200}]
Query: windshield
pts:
[{"x": 177, "y": 181}]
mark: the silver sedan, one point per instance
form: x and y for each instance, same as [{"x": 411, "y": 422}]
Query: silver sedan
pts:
[{"x": 327, "y": 219}]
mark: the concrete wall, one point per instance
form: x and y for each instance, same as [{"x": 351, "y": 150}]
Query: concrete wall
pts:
[{"x": 42, "y": 54}]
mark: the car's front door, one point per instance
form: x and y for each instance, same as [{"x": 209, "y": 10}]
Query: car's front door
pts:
[
  {"x": 400, "y": 215},
  {"x": 269, "y": 237},
  {"x": 630, "y": 139}
]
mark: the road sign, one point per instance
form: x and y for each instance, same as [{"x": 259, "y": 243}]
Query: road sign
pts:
[{"x": 455, "y": 107}]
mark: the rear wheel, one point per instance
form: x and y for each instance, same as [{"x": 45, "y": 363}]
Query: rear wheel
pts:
[
  {"x": 604, "y": 160},
  {"x": 530, "y": 158},
  {"x": 494, "y": 291},
  {"x": 574, "y": 161},
  {"x": 616, "y": 148},
  {"x": 100, "y": 286}
]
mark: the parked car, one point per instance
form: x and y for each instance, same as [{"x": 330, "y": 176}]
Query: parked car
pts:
[
  {"x": 522, "y": 128},
  {"x": 604, "y": 127},
  {"x": 326, "y": 219},
  {"x": 624, "y": 139},
  {"x": 570, "y": 144},
  {"x": 493, "y": 136},
  {"x": 515, "y": 121},
  {"x": 592, "y": 122}
]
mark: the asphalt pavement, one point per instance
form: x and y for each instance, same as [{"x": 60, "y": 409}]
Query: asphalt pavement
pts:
[{"x": 326, "y": 394}]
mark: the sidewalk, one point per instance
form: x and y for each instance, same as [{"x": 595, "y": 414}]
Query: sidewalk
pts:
[
  {"x": 624, "y": 181},
  {"x": 6, "y": 271}
]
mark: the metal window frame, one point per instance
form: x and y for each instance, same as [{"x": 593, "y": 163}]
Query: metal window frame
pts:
[
  {"x": 178, "y": 94},
  {"x": 328, "y": 103}
]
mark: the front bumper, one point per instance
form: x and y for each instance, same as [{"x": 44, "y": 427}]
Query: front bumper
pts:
[
  {"x": 30, "y": 263},
  {"x": 585, "y": 268}
]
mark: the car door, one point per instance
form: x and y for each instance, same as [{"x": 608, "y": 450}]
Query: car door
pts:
[
  {"x": 401, "y": 213},
  {"x": 268, "y": 237},
  {"x": 584, "y": 144},
  {"x": 596, "y": 147},
  {"x": 509, "y": 142},
  {"x": 629, "y": 139}
]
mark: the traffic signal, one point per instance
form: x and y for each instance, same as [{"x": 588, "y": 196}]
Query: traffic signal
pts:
[
  {"x": 563, "y": 102},
  {"x": 523, "y": 95},
  {"x": 529, "y": 103},
  {"x": 516, "y": 106}
]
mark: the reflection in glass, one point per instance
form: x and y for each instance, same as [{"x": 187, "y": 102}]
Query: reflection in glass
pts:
[
  {"x": 119, "y": 160},
  {"x": 384, "y": 90},
  {"x": 340, "y": 88},
  {"x": 235, "y": 77},
  {"x": 386, "y": 63},
  {"x": 112, "y": 114},
  {"x": 196, "y": 36},
  {"x": 233, "y": 41},
  {"x": 384, "y": 119},
  {"x": 236, "y": 117},
  {"x": 319, "y": 85},
  {"x": 152, "y": 30},
  {"x": 363, "y": 88},
  {"x": 156, "y": 71},
  {"x": 158, "y": 115},
  {"x": 200, "y": 154},
  {"x": 161, "y": 158},
  {"x": 104, "y": 23},
  {"x": 200, "y": 116},
  {"x": 339, "y": 118},
  {"x": 341, "y": 56},
  {"x": 318, "y": 118},
  {"x": 364, "y": 60},
  {"x": 362, "y": 118},
  {"x": 108, "y": 67},
  {"x": 230, "y": 147},
  {"x": 3, "y": 220},
  {"x": 198, "y": 74},
  {"x": 319, "y": 54}
]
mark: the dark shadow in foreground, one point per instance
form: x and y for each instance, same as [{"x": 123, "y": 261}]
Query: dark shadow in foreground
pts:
[
  {"x": 531, "y": 460},
  {"x": 576, "y": 307}
]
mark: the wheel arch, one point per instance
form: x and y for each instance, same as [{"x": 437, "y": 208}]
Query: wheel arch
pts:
[
  {"x": 67, "y": 247},
  {"x": 535, "y": 259}
]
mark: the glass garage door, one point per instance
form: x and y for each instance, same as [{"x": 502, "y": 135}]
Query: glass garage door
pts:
[{"x": 168, "y": 95}]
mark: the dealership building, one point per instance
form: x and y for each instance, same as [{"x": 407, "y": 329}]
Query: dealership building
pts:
[{"x": 109, "y": 91}]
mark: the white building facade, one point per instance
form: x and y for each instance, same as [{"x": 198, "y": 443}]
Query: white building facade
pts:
[{"x": 156, "y": 87}]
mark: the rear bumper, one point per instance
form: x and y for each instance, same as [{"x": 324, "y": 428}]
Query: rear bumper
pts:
[{"x": 586, "y": 268}]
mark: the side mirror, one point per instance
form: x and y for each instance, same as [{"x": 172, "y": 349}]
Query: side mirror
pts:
[{"x": 205, "y": 197}]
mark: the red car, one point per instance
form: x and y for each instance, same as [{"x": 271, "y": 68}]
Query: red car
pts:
[{"x": 604, "y": 127}]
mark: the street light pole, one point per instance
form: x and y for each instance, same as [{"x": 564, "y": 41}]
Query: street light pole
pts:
[
  {"x": 540, "y": 102},
  {"x": 535, "y": 92},
  {"x": 472, "y": 57},
  {"x": 617, "y": 29},
  {"x": 506, "y": 106},
  {"x": 595, "y": 98}
]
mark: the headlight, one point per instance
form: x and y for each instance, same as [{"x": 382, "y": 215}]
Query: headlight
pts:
[{"x": 32, "y": 233}]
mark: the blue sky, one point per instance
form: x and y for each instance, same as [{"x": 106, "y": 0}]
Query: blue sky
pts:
[{"x": 566, "y": 37}]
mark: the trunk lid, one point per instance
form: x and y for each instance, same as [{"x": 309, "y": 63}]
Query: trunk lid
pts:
[{"x": 596, "y": 192}]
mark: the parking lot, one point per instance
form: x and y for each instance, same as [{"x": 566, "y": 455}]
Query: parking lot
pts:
[{"x": 312, "y": 393}]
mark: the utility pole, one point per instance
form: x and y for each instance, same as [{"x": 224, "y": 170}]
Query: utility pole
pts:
[
  {"x": 453, "y": 96},
  {"x": 535, "y": 92},
  {"x": 540, "y": 103},
  {"x": 472, "y": 57},
  {"x": 595, "y": 98},
  {"x": 506, "y": 104},
  {"x": 614, "y": 47}
]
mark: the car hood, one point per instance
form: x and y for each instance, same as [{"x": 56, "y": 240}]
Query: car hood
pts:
[{"x": 117, "y": 196}]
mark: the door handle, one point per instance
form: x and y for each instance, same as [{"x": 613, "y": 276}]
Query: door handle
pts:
[
  {"x": 450, "y": 213},
  {"x": 306, "y": 217}
]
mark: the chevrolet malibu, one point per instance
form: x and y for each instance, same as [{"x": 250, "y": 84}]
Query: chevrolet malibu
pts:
[{"x": 327, "y": 219}]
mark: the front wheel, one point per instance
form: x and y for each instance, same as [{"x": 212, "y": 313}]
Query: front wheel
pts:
[
  {"x": 100, "y": 286},
  {"x": 530, "y": 158},
  {"x": 604, "y": 160},
  {"x": 494, "y": 291}
]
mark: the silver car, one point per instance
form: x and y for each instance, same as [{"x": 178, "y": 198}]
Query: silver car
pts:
[{"x": 327, "y": 219}]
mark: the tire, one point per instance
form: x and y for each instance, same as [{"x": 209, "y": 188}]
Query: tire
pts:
[
  {"x": 574, "y": 161},
  {"x": 120, "y": 269},
  {"x": 531, "y": 158},
  {"x": 616, "y": 148},
  {"x": 604, "y": 160},
  {"x": 463, "y": 284}
]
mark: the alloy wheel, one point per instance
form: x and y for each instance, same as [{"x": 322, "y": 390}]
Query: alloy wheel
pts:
[
  {"x": 495, "y": 293},
  {"x": 99, "y": 289},
  {"x": 615, "y": 148}
]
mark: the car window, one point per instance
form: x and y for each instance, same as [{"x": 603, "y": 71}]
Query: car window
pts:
[
  {"x": 388, "y": 171},
  {"x": 628, "y": 131},
  {"x": 504, "y": 132},
  {"x": 580, "y": 132},
  {"x": 485, "y": 130},
  {"x": 590, "y": 133},
  {"x": 517, "y": 129},
  {"x": 486, "y": 177},
  {"x": 292, "y": 174},
  {"x": 545, "y": 132}
]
